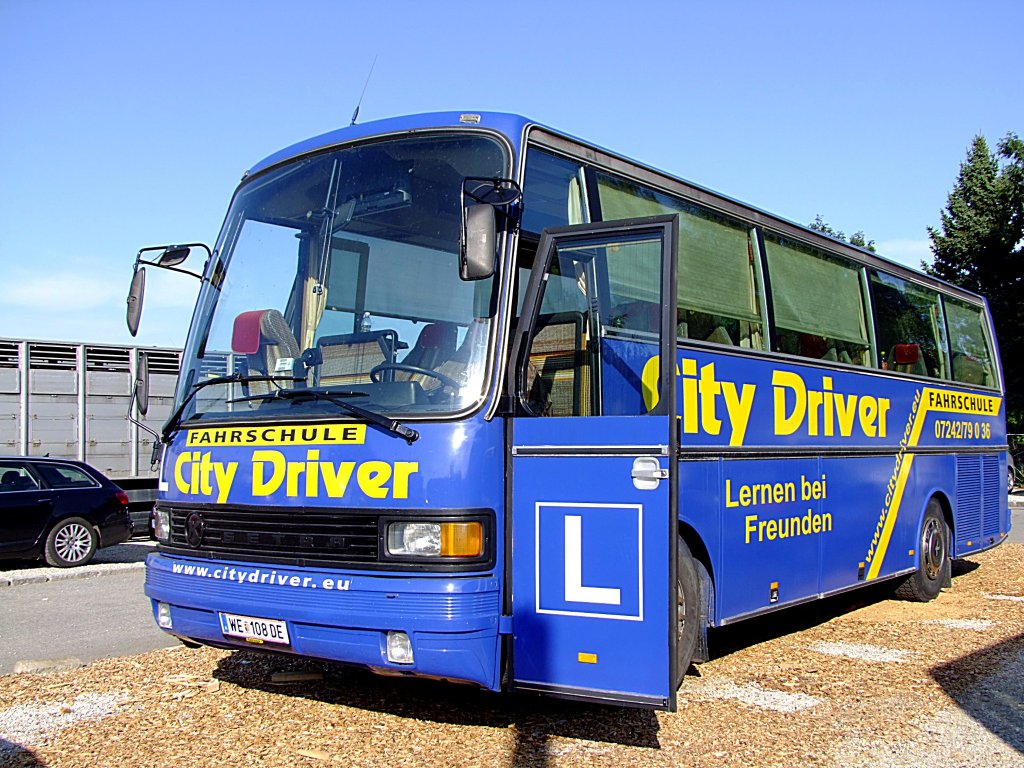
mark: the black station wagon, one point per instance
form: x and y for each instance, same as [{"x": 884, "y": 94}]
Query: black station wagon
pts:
[{"x": 60, "y": 510}]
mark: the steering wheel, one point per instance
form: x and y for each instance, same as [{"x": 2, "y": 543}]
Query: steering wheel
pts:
[{"x": 446, "y": 381}]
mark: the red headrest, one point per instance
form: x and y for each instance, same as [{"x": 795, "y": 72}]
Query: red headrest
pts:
[
  {"x": 813, "y": 346},
  {"x": 245, "y": 336},
  {"x": 906, "y": 354}
]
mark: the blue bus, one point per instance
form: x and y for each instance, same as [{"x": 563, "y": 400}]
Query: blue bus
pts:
[{"x": 466, "y": 398}]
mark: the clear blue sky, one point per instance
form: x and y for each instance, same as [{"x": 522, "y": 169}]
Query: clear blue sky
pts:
[{"x": 124, "y": 124}]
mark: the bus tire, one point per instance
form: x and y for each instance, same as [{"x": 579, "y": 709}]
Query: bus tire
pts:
[
  {"x": 688, "y": 610},
  {"x": 933, "y": 558}
]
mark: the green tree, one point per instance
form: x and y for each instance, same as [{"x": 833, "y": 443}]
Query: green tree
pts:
[
  {"x": 858, "y": 238},
  {"x": 981, "y": 248}
]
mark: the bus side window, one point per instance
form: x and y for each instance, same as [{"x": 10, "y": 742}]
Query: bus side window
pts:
[
  {"x": 718, "y": 282},
  {"x": 552, "y": 194},
  {"x": 909, "y": 327},
  {"x": 818, "y": 303},
  {"x": 972, "y": 358}
]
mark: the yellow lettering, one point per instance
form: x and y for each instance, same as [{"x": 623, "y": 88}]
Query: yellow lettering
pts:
[
  {"x": 403, "y": 469},
  {"x": 814, "y": 401},
  {"x": 225, "y": 478},
  {"x": 336, "y": 478},
  {"x": 739, "y": 409},
  {"x": 883, "y": 412},
  {"x": 689, "y": 405},
  {"x": 787, "y": 424},
  {"x": 205, "y": 467},
  {"x": 709, "y": 389},
  {"x": 846, "y": 410},
  {"x": 372, "y": 475},
  {"x": 868, "y": 412},
  {"x": 312, "y": 474},
  {"x": 265, "y": 487},
  {"x": 179, "y": 479}
]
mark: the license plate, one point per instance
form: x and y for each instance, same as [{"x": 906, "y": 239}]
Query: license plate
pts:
[{"x": 254, "y": 629}]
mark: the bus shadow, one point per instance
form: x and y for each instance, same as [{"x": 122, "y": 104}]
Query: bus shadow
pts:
[
  {"x": 534, "y": 721},
  {"x": 987, "y": 687},
  {"x": 731, "y": 638},
  {"x": 725, "y": 640}
]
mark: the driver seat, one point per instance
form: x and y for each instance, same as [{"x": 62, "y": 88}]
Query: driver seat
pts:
[{"x": 435, "y": 345}]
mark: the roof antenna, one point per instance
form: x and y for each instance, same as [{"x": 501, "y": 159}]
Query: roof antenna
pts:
[{"x": 355, "y": 113}]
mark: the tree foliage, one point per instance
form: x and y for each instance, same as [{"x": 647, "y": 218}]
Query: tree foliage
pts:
[
  {"x": 981, "y": 248},
  {"x": 858, "y": 238}
]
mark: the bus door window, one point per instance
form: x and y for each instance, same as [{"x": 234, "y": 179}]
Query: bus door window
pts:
[
  {"x": 559, "y": 365},
  {"x": 818, "y": 303},
  {"x": 718, "y": 286},
  {"x": 597, "y": 328}
]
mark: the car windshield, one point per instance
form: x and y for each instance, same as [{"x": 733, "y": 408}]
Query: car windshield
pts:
[{"x": 339, "y": 272}]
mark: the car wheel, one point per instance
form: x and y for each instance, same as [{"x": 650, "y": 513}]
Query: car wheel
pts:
[{"x": 71, "y": 542}]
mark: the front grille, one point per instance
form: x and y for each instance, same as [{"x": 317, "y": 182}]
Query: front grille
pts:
[{"x": 300, "y": 536}]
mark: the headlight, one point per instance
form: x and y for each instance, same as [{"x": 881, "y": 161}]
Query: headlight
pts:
[
  {"x": 436, "y": 539},
  {"x": 162, "y": 525}
]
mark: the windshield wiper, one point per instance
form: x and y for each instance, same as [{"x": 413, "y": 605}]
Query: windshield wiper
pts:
[
  {"x": 335, "y": 398},
  {"x": 174, "y": 422}
]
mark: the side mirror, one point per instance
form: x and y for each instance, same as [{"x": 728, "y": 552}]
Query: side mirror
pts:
[
  {"x": 478, "y": 242},
  {"x": 173, "y": 255},
  {"x": 135, "y": 294},
  {"x": 142, "y": 384}
]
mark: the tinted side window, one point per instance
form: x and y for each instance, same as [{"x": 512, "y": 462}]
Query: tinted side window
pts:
[
  {"x": 909, "y": 327},
  {"x": 818, "y": 303},
  {"x": 552, "y": 192},
  {"x": 65, "y": 476},
  {"x": 717, "y": 291},
  {"x": 14, "y": 477},
  {"x": 971, "y": 360}
]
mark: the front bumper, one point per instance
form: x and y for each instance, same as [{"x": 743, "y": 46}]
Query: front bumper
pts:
[{"x": 340, "y": 616}]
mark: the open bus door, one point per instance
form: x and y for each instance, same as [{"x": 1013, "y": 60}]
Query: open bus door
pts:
[{"x": 594, "y": 469}]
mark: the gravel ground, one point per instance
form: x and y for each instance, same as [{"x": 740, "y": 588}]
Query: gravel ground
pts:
[{"x": 840, "y": 684}]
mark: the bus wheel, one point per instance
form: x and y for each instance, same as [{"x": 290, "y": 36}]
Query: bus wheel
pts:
[
  {"x": 933, "y": 558},
  {"x": 688, "y": 610}
]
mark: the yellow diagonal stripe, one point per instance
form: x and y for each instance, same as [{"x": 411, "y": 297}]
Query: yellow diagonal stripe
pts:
[{"x": 928, "y": 400}]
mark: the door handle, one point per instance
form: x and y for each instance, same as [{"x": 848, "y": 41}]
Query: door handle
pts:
[{"x": 647, "y": 473}]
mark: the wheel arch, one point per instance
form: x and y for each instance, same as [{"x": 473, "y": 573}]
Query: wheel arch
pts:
[
  {"x": 946, "y": 503},
  {"x": 702, "y": 560}
]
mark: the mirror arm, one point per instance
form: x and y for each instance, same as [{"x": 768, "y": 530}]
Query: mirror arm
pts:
[
  {"x": 198, "y": 277},
  {"x": 154, "y": 458}
]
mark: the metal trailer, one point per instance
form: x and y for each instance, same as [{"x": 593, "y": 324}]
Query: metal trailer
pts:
[{"x": 70, "y": 400}]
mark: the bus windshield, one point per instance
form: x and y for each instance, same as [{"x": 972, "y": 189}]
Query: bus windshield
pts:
[{"x": 339, "y": 273}]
